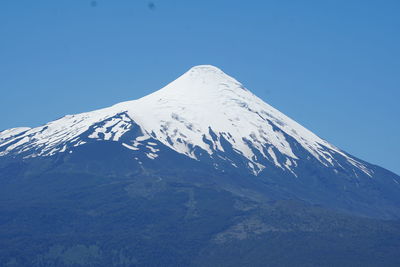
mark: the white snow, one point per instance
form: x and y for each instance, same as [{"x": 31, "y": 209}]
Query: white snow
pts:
[
  {"x": 274, "y": 158},
  {"x": 6, "y": 134},
  {"x": 151, "y": 155},
  {"x": 142, "y": 138},
  {"x": 151, "y": 143},
  {"x": 180, "y": 115},
  {"x": 152, "y": 149},
  {"x": 130, "y": 147}
]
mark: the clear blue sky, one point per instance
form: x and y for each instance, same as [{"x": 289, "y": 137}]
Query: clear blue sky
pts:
[{"x": 334, "y": 66}]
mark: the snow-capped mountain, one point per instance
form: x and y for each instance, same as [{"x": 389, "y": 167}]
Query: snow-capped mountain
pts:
[
  {"x": 198, "y": 173},
  {"x": 207, "y": 122},
  {"x": 198, "y": 115}
]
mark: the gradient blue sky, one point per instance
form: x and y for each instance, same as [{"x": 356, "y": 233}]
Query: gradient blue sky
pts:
[{"x": 334, "y": 66}]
